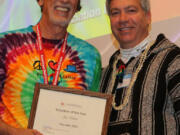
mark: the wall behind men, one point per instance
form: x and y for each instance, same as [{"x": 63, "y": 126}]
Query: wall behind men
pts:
[{"x": 92, "y": 23}]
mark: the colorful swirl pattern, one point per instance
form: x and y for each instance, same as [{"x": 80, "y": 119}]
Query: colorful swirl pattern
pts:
[{"x": 23, "y": 69}]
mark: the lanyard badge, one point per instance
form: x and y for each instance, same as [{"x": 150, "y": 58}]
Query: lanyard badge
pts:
[{"x": 43, "y": 60}]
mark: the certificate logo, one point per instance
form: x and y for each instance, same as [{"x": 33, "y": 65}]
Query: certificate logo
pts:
[{"x": 62, "y": 103}]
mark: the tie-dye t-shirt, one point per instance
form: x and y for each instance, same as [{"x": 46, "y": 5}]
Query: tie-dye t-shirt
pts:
[{"x": 20, "y": 69}]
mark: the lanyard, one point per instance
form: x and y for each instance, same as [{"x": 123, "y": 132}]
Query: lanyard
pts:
[{"x": 43, "y": 61}]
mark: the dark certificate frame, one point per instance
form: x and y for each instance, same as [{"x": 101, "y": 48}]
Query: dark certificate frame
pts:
[{"x": 42, "y": 94}]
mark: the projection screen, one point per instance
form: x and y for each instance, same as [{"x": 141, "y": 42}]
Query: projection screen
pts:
[{"x": 92, "y": 23}]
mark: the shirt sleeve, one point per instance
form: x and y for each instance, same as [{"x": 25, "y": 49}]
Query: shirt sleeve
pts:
[{"x": 97, "y": 74}]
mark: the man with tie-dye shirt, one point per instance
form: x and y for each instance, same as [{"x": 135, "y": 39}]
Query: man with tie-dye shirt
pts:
[{"x": 34, "y": 54}]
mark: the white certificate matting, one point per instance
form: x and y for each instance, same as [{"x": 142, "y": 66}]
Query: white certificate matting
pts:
[{"x": 67, "y": 113}]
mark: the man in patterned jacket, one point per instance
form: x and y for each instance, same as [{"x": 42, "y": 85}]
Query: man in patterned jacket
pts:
[
  {"x": 34, "y": 54},
  {"x": 143, "y": 75}
]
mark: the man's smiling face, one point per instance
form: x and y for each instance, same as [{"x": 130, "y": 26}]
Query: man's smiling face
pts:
[
  {"x": 59, "y": 12},
  {"x": 129, "y": 22}
]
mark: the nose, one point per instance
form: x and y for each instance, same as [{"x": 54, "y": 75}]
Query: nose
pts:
[
  {"x": 123, "y": 17},
  {"x": 64, "y": 1}
]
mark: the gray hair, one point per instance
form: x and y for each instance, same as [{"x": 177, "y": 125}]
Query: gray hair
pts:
[
  {"x": 78, "y": 6},
  {"x": 145, "y": 4}
]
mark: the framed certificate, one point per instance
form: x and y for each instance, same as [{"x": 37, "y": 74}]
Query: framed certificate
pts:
[{"x": 66, "y": 111}]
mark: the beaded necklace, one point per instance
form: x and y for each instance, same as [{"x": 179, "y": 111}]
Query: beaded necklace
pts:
[{"x": 133, "y": 79}]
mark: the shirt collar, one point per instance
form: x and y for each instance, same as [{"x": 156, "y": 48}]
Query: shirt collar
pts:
[{"x": 126, "y": 54}]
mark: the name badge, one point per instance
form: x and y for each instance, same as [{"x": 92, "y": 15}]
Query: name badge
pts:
[{"x": 125, "y": 82}]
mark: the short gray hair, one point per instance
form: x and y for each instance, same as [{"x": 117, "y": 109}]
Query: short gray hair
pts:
[
  {"x": 145, "y": 4},
  {"x": 78, "y": 6}
]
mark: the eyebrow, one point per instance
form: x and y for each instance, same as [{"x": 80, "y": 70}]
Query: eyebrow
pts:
[{"x": 130, "y": 6}]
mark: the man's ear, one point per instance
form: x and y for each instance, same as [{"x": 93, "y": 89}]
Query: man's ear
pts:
[
  {"x": 148, "y": 15},
  {"x": 40, "y": 2}
]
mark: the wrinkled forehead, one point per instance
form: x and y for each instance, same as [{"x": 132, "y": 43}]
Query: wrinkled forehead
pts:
[
  {"x": 124, "y": 1},
  {"x": 123, "y": 4}
]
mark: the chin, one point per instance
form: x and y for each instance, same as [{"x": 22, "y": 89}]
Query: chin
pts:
[
  {"x": 62, "y": 23},
  {"x": 126, "y": 40}
]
